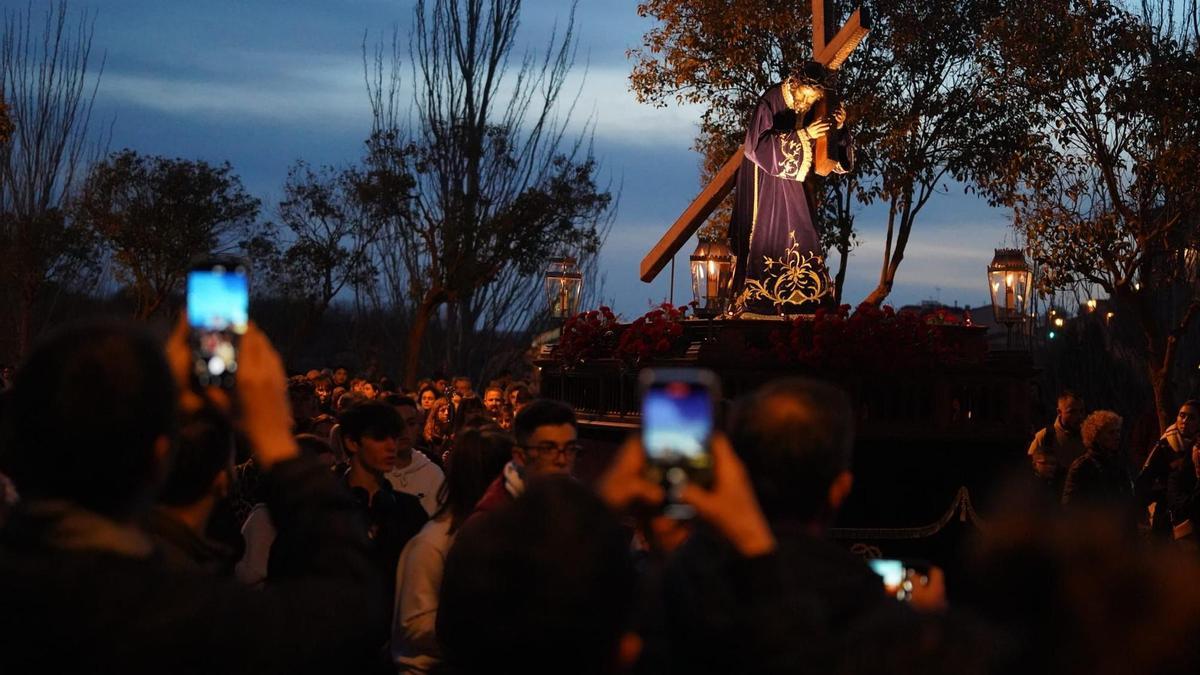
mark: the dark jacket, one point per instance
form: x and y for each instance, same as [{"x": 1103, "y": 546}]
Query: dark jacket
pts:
[
  {"x": 387, "y": 521},
  {"x": 73, "y": 610},
  {"x": 1183, "y": 493},
  {"x": 183, "y": 549},
  {"x": 1150, "y": 486},
  {"x": 1100, "y": 479},
  {"x": 779, "y": 613}
]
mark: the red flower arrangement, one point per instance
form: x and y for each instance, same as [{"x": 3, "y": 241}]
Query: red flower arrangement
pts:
[
  {"x": 588, "y": 335},
  {"x": 871, "y": 339},
  {"x": 655, "y": 333}
]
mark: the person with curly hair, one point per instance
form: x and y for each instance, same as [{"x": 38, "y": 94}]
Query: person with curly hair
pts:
[{"x": 1100, "y": 477}]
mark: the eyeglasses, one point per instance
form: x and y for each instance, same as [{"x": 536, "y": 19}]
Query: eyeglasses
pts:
[{"x": 570, "y": 449}]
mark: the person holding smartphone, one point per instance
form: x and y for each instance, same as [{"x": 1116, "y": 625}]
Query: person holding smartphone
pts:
[{"x": 85, "y": 589}]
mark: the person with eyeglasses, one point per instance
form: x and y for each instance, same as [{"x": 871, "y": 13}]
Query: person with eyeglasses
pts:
[{"x": 547, "y": 445}]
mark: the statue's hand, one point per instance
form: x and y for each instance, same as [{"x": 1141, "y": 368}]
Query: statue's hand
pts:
[
  {"x": 817, "y": 129},
  {"x": 839, "y": 115}
]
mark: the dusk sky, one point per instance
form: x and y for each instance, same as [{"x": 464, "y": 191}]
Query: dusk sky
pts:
[{"x": 262, "y": 83}]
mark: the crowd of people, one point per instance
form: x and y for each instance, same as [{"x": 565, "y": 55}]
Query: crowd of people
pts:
[
  {"x": 1081, "y": 459},
  {"x": 327, "y": 524}
]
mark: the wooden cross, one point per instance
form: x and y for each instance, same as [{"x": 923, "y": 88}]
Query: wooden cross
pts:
[{"x": 832, "y": 55}]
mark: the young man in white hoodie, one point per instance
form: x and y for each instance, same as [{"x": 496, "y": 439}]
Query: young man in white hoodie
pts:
[{"x": 414, "y": 473}]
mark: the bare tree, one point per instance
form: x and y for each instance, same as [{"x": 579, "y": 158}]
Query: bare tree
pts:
[
  {"x": 498, "y": 184},
  {"x": 46, "y": 82}
]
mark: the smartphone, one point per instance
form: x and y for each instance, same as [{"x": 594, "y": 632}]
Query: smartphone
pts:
[
  {"x": 678, "y": 417},
  {"x": 218, "y": 311},
  {"x": 898, "y": 576}
]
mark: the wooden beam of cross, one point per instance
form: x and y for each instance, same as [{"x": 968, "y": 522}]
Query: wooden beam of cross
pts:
[{"x": 832, "y": 55}]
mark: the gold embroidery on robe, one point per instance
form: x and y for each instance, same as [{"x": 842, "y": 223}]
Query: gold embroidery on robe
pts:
[
  {"x": 797, "y": 157},
  {"x": 794, "y": 279}
]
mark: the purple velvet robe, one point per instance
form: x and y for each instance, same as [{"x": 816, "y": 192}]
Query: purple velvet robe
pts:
[{"x": 772, "y": 204}]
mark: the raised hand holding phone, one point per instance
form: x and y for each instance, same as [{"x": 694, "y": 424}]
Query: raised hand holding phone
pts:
[{"x": 218, "y": 313}]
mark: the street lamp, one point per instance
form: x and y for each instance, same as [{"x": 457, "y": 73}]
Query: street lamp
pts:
[
  {"x": 712, "y": 277},
  {"x": 564, "y": 284},
  {"x": 1009, "y": 279}
]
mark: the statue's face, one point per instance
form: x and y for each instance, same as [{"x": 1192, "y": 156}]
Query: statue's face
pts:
[{"x": 804, "y": 96}]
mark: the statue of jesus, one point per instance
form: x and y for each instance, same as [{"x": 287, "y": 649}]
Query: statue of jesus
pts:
[{"x": 781, "y": 268}]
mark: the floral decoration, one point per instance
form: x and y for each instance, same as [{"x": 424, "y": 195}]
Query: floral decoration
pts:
[
  {"x": 588, "y": 335},
  {"x": 655, "y": 333},
  {"x": 870, "y": 339}
]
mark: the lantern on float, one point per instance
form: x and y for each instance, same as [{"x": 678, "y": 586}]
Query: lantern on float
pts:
[
  {"x": 712, "y": 277},
  {"x": 564, "y": 284},
  {"x": 1010, "y": 278}
]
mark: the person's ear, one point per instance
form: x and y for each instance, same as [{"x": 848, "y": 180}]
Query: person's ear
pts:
[
  {"x": 518, "y": 455},
  {"x": 839, "y": 490},
  {"x": 351, "y": 445}
]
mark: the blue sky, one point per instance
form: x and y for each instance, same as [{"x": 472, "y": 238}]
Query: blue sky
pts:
[{"x": 262, "y": 83}]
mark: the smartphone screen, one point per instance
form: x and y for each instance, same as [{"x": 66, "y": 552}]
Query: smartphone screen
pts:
[
  {"x": 677, "y": 427},
  {"x": 895, "y": 577},
  {"x": 218, "y": 308}
]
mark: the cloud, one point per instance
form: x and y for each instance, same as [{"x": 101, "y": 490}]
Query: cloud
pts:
[{"x": 329, "y": 91}]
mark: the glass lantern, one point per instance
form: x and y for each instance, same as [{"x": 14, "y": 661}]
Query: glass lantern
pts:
[
  {"x": 564, "y": 284},
  {"x": 712, "y": 277},
  {"x": 1010, "y": 278}
]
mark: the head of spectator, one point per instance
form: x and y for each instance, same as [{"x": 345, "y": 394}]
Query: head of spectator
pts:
[
  {"x": 439, "y": 424},
  {"x": 322, "y": 426},
  {"x": 547, "y": 438},
  {"x": 91, "y": 420},
  {"x": 201, "y": 472},
  {"x": 312, "y": 375},
  {"x": 796, "y": 437},
  {"x": 546, "y": 586},
  {"x": 370, "y": 390},
  {"x": 313, "y": 445},
  {"x": 411, "y": 429},
  {"x": 1187, "y": 421},
  {"x": 1070, "y": 411},
  {"x": 493, "y": 399},
  {"x": 479, "y": 456},
  {"x": 347, "y": 400},
  {"x": 1101, "y": 432},
  {"x": 356, "y": 385},
  {"x": 341, "y": 376},
  {"x": 388, "y": 385},
  {"x": 305, "y": 404},
  {"x": 462, "y": 386},
  {"x": 470, "y": 412},
  {"x": 518, "y": 396},
  {"x": 442, "y": 383},
  {"x": 370, "y": 430},
  {"x": 323, "y": 387},
  {"x": 427, "y": 396}
]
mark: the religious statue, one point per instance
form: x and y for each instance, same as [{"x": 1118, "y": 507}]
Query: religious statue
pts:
[{"x": 781, "y": 268}]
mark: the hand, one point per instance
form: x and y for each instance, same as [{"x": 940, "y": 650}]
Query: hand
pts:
[
  {"x": 179, "y": 358},
  {"x": 1045, "y": 466},
  {"x": 839, "y": 115},
  {"x": 928, "y": 592},
  {"x": 262, "y": 395},
  {"x": 624, "y": 482},
  {"x": 731, "y": 506},
  {"x": 817, "y": 129}
]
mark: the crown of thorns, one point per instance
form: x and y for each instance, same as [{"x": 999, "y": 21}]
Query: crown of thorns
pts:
[{"x": 811, "y": 74}]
